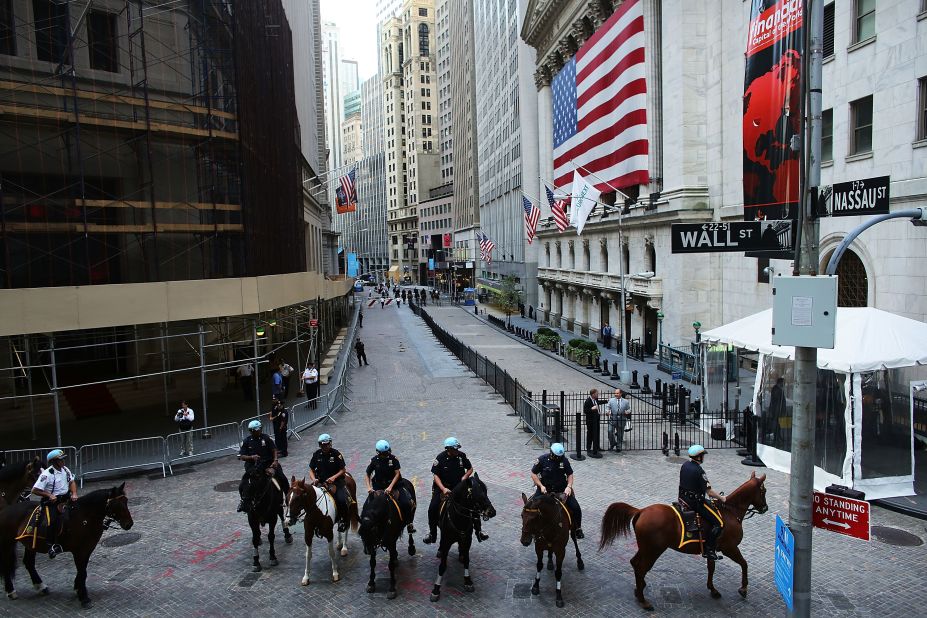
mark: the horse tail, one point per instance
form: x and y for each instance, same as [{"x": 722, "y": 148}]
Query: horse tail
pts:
[
  {"x": 353, "y": 517},
  {"x": 616, "y": 522}
]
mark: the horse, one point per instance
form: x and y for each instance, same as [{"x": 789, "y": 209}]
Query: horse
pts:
[
  {"x": 546, "y": 520},
  {"x": 88, "y": 517},
  {"x": 468, "y": 499},
  {"x": 381, "y": 525},
  {"x": 267, "y": 500},
  {"x": 658, "y": 528},
  {"x": 17, "y": 478},
  {"x": 321, "y": 516}
]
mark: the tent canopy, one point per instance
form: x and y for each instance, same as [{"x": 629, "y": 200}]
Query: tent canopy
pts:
[{"x": 867, "y": 339}]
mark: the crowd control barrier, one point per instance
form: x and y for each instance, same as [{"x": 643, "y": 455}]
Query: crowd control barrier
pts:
[{"x": 122, "y": 455}]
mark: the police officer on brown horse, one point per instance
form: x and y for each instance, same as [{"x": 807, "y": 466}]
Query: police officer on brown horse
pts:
[{"x": 693, "y": 489}]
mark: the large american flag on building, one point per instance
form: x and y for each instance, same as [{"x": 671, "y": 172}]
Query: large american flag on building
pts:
[{"x": 600, "y": 105}]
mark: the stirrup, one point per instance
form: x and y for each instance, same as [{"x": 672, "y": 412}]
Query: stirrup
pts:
[
  {"x": 342, "y": 526},
  {"x": 431, "y": 538},
  {"x": 711, "y": 555},
  {"x": 54, "y": 550},
  {"x": 578, "y": 533},
  {"x": 481, "y": 536}
]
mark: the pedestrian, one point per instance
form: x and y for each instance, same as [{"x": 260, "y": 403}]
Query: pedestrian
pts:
[
  {"x": 403, "y": 295},
  {"x": 360, "y": 319},
  {"x": 398, "y": 302},
  {"x": 361, "y": 355},
  {"x": 311, "y": 383},
  {"x": 607, "y": 336},
  {"x": 279, "y": 416},
  {"x": 619, "y": 415},
  {"x": 276, "y": 386},
  {"x": 246, "y": 379},
  {"x": 382, "y": 302},
  {"x": 184, "y": 420},
  {"x": 285, "y": 372},
  {"x": 591, "y": 413}
]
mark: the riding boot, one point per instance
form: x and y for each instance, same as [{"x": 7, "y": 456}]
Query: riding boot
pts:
[
  {"x": 711, "y": 544},
  {"x": 51, "y": 534}
]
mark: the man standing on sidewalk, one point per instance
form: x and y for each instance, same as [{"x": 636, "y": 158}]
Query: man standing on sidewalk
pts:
[
  {"x": 311, "y": 383},
  {"x": 607, "y": 336},
  {"x": 285, "y": 371},
  {"x": 591, "y": 413},
  {"x": 619, "y": 414}
]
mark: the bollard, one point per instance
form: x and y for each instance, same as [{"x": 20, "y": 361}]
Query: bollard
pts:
[
  {"x": 544, "y": 397},
  {"x": 646, "y": 389},
  {"x": 658, "y": 389},
  {"x": 676, "y": 444},
  {"x": 590, "y": 364},
  {"x": 634, "y": 385},
  {"x": 605, "y": 371},
  {"x": 476, "y": 310},
  {"x": 578, "y": 455},
  {"x": 665, "y": 444},
  {"x": 672, "y": 395},
  {"x": 615, "y": 375},
  {"x": 665, "y": 390}
]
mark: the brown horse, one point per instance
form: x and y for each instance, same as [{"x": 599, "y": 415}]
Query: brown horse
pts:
[
  {"x": 17, "y": 478},
  {"x": 658, "y": 528},
  {"x": 321, "y": 515},
  {"x": 88, "y": 517},
  {"x": 545, "y": 519}
]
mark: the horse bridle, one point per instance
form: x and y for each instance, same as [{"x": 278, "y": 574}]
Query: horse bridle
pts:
[
  {"x": 539, "y": 537},
  {"x": 109, "y": 519}
]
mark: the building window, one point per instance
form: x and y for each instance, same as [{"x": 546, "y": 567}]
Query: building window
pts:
[
  {"x": 423, "y": 12},
  {"x": 7, "y": 28},
  {"x": 102, "y": 38},
  {"x": 922, "y": 107},
  {"x": 864, "y": 15},
  {"x": 423, "y": 39},
  {"x": 861, "y": 126},
  {"x": 827, "y": 135},
  {"x": 51, "y": 30},
  {"x": 852, "y": 281},
  {"x": 829, "y": 30}
]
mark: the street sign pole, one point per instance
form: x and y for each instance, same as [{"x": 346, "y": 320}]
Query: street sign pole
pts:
[{"x": 801, "y": 480}]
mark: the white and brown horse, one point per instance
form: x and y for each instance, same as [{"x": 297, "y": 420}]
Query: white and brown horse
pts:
[{"x": 321, "y": 517}]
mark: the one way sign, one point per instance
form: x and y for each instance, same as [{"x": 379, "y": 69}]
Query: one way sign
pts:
[{"x": 735, "y": 236}]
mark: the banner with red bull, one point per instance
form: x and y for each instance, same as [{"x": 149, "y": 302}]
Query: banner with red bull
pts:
[{"x": 773, "y": 111}]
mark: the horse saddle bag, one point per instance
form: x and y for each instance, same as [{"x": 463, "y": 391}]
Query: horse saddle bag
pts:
[
  {"x": 691, "y": 523},
  {"x": 36, "y": 526}
]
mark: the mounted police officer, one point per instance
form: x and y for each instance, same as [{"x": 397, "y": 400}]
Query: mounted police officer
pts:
[
  {"x": 327, "y": 466},
  {"x": 258, "y": 451},
  {"x": 383, "y": 474},
  {"x": 552, "y": 473},
  {"x": 449, "y": 468},
  {"x": 694, "y": 492},
  {"x": 53, "y": 485}
]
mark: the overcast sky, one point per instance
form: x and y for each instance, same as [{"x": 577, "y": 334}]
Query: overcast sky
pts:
[{"x": 356, "y": 20}]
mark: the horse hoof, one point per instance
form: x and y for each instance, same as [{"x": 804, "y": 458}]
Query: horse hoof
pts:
[
  {"x": 336, "y": 577},
  {"x": 274, "y": 562},
  {"x": 560, "y": 603},
  {"x": 435, "y": 597},
  {"x": 86, "y": 604},
  {"x": 45, "y": 591},
  {"x": 647, "y": 605},
  {"x": 391, "y": 595},
  {"x": 12, "y": 596},
  {"x": 468, "y": 588},
  {"x": 535, "y": 590},
  {"x": 743, "y": 592},
  {"x": 288, "y": 538},
  {"x": 715, "y": 594},
  {"x": 412, "y": 550},
  {"x": 344, "y": 551},
  {"x": 371, "y": 588},
  {"x": 256, "y": 569},
  {"x": 580, "y": 565},
  {"x": 304, "y": 581}
]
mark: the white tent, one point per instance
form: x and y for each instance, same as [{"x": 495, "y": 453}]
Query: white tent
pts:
[{"x": 872, "y": 357}]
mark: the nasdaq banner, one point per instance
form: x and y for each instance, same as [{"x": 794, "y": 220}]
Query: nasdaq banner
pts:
[{"x": 772, "y": 112}]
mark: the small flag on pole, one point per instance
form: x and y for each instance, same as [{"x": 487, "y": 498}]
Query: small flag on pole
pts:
[
  {"x": 532, "y": 214},
  {"x": 585, "y": 198},
  {"x": 558, "y": 208},
  {"x": 346, "y": 193}
]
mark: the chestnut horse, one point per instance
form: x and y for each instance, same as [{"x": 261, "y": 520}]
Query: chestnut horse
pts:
[
  {"x": 17, "y": 478},
  {"x": 658, "y": 528},
  {"x": 321, "y": 516},
  {"x": 546, "y": 520}
]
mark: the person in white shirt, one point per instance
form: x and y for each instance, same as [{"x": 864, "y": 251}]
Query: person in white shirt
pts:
[
  {"x": 53, "y": 486},
  {"x": 311, "y": 380},
  {"x": 246, "y": 379},
  {"x": 184, "y": 420},
  {"x": 285, "y": 371}
]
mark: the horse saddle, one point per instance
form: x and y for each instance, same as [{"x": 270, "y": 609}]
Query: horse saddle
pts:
[
  {"x": 694, "y": 529},
  {"x": 36, "y": 526}
]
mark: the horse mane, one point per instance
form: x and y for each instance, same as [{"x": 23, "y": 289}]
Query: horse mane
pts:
[
  {"x": 735, "y": 496},
  {"x": 95, "y": 498},
  {"x": 13, "y": 472}
]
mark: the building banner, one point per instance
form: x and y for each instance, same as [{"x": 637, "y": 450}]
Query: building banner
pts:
[
  {"x": 772, "y": 111},
  {"x": 344, "y": 204},
  {"x": 447, "y": 241}
]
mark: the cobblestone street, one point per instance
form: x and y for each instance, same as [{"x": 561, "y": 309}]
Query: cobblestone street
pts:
[{"x": 193, "y": 553}]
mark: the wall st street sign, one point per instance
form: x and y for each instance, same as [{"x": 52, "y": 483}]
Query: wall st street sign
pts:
[
  {"x": 715, "y": 236},
  {"x": 868, "y": 196},
  {"x": 841, "y": 515}
]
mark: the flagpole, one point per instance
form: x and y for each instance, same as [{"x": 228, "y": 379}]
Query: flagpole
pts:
[{"x": 605, "y": 182}]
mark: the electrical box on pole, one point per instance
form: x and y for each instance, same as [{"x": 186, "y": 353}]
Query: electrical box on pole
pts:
[{"x": 804, "y": 311}]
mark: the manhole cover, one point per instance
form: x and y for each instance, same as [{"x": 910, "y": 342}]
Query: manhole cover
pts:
[
  {"x": 123, "y": 538},
  {"x": 226, "y": 487},
  {"x": 136, "y": 500},
  {"x": 521, "y": 591},
  {"x": 895, "y": 536}
]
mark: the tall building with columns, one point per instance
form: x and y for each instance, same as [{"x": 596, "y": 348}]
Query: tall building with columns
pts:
[{"x": 875, "y": 124}]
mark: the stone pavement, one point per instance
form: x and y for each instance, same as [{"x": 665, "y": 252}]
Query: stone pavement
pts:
[{"x": 191, "y": 555}]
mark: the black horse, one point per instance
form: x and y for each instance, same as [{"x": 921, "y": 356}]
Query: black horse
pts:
[
  {"x": 467, "y": 501},
  {"x": 546, "y": 521},
  {"x": 381, "y": 525},
  {"x": 16, "y": 479},
  {"x": 88, "y": 517},
  {"x": 267, "y": 501}
]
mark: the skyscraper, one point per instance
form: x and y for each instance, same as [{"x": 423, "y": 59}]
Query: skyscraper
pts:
[{"x": 371, "y": 244}]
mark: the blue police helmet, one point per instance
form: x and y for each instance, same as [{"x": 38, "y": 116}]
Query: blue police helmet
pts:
[
  {"x": 325, "y": 439},
  {"x": 55, "y": 454},
  {"x": 696, "y": 449},
  {"x": 254, "y": 426},
  {"x": 383, "y": 446},
  {"x": 557, "y": 449},
  {"x": 452, "y": 442}
]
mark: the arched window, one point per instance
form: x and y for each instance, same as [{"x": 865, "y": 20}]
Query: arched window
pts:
[
  {"x": 423, "y": 40},
  {"x": 852, "y": 281}
]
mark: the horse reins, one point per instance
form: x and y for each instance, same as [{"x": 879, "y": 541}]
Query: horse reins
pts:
[{"x": 109, "y": 519}]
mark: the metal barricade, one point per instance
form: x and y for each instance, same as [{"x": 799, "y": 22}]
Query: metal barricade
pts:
[
  {"x": 28, "y": 454},
  {"x": 307, "y": 413},
  {"x": 266, "y": 425},
  {"x": 123, "y": 455},
  {"x": 534, "y": 419},
  {"x": 203, "y": 443}
]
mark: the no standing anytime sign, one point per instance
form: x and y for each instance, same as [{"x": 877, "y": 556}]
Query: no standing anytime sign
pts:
[{"x": 841, "y": 515}]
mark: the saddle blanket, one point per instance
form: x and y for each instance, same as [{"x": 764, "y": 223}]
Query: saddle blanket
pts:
[
  {"x": 35, "y": 525},
  {"x": 689, "y": 524}
]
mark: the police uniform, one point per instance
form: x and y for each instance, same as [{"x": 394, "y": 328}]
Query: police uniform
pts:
[
  {"x": 381, "y": 471},
  {"x": 451, "y": 470},
  {"x": 326, "y": 465},
  {"x": 554, "y": 472},
  {"x": 693, "y": 486},
  {"x": 58, "y": 483},
  {"x": 262, "y": 446}
]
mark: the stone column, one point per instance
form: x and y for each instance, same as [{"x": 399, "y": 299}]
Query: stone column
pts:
[{"x": 542, "y": 79}]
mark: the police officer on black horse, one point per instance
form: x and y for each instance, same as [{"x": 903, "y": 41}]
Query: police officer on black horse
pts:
[
  {"x": 327, "y": 466},
  {"x": 693, "y": 489},
  {"x": 553, "y": 473},
  {"x": 449, "y": 468},
  {"x": 258, "y": 451}
]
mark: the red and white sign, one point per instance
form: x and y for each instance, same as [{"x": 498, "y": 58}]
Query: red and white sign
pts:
[
  {"x": 313, "y": 323},
  {"x": 841, "y": 515}
]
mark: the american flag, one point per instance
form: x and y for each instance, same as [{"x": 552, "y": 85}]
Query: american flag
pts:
[
  {"x": 486, "y": 247},
  {"x": 347, "y": 185},
  {"x": 600, "y": 105},
  {"x": 532, "y": 214},
  {"x": 558, "y": 207}
]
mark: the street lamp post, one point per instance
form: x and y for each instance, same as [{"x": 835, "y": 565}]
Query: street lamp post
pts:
[
  {"x": 698, "y": 335},
  {"x": 660, "y": 317}
]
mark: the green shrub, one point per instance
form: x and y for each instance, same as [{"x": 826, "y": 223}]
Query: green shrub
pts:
[
  {"x": 548, "y": 342},
  {"x": 543, "y": 330}
]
